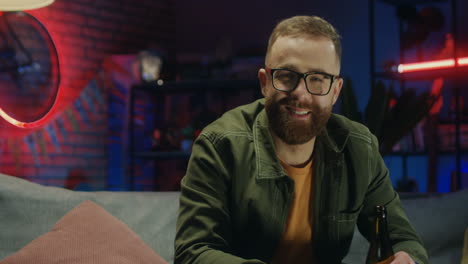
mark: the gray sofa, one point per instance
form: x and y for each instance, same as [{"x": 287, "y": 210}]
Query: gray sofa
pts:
[{"x": 28, "y": 210}]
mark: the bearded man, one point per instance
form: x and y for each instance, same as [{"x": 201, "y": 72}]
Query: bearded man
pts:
[{"x": 283, "y": 180}]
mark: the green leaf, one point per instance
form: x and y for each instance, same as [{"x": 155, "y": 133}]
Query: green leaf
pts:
[
  {"x": 390, "y": 123},
  {"x": 349, "y": 106},
  {"x": 376, "y": 109}
]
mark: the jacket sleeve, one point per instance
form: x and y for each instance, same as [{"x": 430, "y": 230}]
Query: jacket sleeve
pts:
[
  {"x": 380, "y": 192},
  {"x": 203, "y": 230}
]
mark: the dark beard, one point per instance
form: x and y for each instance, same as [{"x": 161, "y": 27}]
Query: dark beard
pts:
[{"x": 293, "y": 132}]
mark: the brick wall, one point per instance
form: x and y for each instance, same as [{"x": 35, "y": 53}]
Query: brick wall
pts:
[{"x": 71, "y": 147}]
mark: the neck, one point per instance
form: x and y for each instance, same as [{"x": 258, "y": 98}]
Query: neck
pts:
[{"x": 294, "y": 155}]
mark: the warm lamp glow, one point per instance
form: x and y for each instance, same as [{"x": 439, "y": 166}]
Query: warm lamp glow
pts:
[{"x": 20, "y": 5}]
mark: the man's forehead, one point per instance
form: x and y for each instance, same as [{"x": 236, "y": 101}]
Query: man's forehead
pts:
[
  {"x": 287, "y": 51},
  {"x": 302, "y": 41}
]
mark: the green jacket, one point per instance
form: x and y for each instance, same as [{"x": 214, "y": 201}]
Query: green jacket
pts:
[{"x": 235, "y": 196}]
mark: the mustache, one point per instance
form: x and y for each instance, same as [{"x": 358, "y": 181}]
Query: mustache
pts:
[{"x": 294, "y": 102}]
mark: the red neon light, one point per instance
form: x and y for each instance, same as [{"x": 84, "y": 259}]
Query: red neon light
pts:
[
  {"x": 419, "y": 66},
  {"x": 463, "y": 61},
  {"x": 431, "y": 65},
  {"x": 20, "y": 124},
  {"x": 10, "y": 119}
]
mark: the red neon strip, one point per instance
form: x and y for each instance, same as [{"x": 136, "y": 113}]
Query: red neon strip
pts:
[
  {"x": 463, "y": 61},
  {"x": 420, "y": 66},
  {"x": 430, "y": 65}
]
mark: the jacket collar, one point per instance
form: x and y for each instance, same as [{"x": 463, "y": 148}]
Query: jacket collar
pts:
[
  {"x": 333, "y": 138},
  {"x": 336, "y": 134}
]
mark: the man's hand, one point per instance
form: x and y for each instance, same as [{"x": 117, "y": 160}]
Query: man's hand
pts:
[{"x": 402, "y": 257}]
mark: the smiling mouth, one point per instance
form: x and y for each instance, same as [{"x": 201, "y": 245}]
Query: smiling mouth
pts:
[{"x": 298, "y": 112}]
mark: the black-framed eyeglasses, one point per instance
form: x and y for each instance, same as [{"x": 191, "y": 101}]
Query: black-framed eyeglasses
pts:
[{"x": 317, "y": 83}]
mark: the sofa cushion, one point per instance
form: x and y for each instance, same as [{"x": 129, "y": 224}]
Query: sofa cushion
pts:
[
  {"x": 29, "y": 210},
  {"x": 87, "y": 234}
]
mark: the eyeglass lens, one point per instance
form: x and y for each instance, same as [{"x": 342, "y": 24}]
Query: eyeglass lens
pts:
[{"x": 286, "y": 80}]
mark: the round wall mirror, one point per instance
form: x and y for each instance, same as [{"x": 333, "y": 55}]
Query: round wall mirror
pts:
[{"x": 29, "y": 69}]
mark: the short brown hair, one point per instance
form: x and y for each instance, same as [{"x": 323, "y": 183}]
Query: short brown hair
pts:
[{"x": 305, "y": 25}]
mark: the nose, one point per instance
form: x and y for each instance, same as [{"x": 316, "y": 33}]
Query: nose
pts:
[{"x": 301, "y": 89}]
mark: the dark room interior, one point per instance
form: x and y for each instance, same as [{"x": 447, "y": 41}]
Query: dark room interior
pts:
[
  {"x": 109, "y": 95},
  {"x": 84, "y": 138}
]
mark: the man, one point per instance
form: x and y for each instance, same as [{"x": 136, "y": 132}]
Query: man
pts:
[{"x": 282, "y": 180}]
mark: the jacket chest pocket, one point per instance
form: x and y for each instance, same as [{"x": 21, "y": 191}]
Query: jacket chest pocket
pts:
[
  {"x": 341, "y": 226},
  {"x": 336, "y": 236}
]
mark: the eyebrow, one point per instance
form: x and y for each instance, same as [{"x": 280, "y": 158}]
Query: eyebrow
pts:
[{"x": 294, "y": 68}]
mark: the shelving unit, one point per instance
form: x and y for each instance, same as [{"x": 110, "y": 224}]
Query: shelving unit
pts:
[
  {"x": 452, "y": 74},
  {"x": 159, "y": 91}
]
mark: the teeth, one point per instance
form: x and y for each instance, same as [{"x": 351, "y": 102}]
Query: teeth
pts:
[{"x": 300, "y": 113}]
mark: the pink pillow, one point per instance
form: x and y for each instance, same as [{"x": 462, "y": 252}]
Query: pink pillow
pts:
[{"x": 87, "y": 234}]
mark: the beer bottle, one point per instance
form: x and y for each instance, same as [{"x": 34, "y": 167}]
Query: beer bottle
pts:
[{"x": 380, "y": 249}]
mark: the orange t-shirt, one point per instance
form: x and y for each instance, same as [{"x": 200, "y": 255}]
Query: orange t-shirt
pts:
[{"x": 295, "y": 245}]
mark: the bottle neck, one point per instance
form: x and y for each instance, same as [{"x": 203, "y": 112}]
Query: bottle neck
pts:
[
  {"x": 382, "y": 234},
  {"x": 380, "y": 249}
]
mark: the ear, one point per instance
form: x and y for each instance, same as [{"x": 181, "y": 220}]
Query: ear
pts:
[
  {"x": 337, "y": 89},
  {"x": 262, "y": 77}
]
